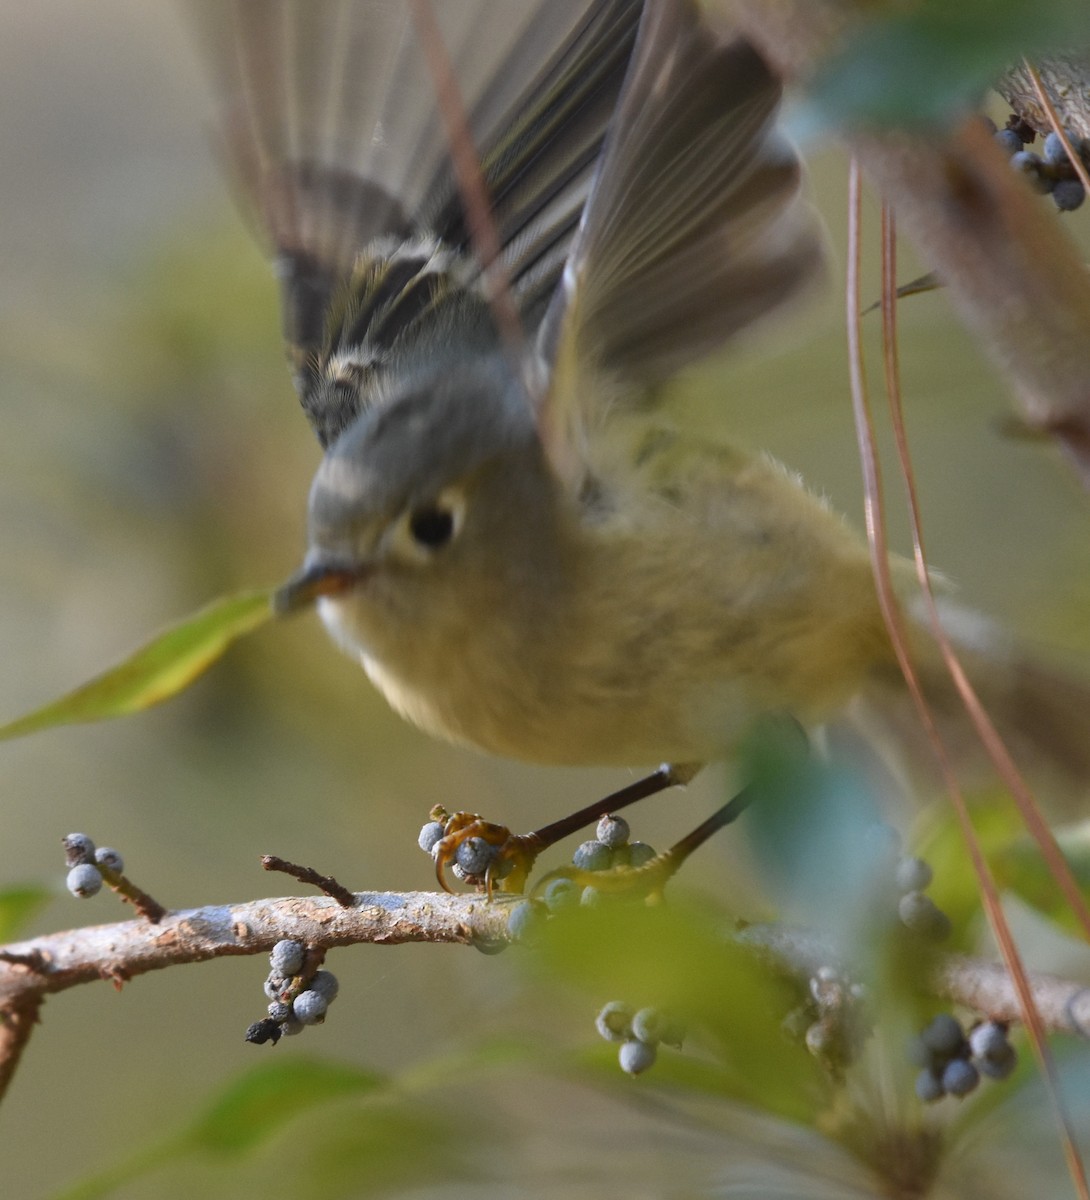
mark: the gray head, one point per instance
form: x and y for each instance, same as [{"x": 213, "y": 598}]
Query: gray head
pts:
[{"x": 434, "y": 506}]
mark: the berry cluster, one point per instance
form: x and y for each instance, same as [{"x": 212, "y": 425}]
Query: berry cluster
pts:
[
  {"x": 833, "y": 1022},
  {"x": 609, "y": 848},
  {"x": 86, "y": 865},
  {"x": 477, "y": 860},
  {"x": 952, "y": 1063},
  {"x": 1050, "y": 172},
  {"x": 918, "y": 911},
  {"x": 298, "y": 994},
  {"x": 640, "y": 1032}
]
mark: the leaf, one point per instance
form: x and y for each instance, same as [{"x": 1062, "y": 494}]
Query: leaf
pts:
[
  {"x": 19, "y": 905},
  {"x": 157, "y": 671},
  {"x": 929, "y": 64},
  {"x": 254, "y": 1106},
  {"x": 1020, "y": 867}
]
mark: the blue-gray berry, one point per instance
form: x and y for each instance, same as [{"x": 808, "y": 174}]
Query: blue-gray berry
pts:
[
  {"x": 614, "y": 1022},
  {"x": 592, "y": 856},
  {"x": 590, "y": 897},
  {"x": 560, "y": 893},
  {"x": 988, "y": 1040},
  {"x": 943, "y": 1035},
  {"x": 1000, "y": 1064},
  {"x": 612, "y": 830},
  {"x": 429, "y": 835},
  {"x": 473, "y": 856},
  {"x": 640, "y": 853},
  {"x": 275, "y": 987},
  {"x": 1053, "y": 149},
  {"x": 1068, "y": 194},
  {"x": 960, "y": 1077},
  {"x": 523, "y": 919},
  {"x": 286, "y": 958},
  {"x": 635, "y": 1057},
  {"x": 84, "y": 881},
  {"x": 309, "y": 1007},
  {"x": 326, "y": 984},
  {"x": 929, "y": 1087},
  {"x": 108, "y": 857},
  {"x": 913, "y": 874},
  {"x": 78, "y": 848},
  {"x": 291, "y": 1027},
  {"x": 1008, "y": 140},
  {"x": 920, "y": 914},
  {"x": 279, "y": 1011}
]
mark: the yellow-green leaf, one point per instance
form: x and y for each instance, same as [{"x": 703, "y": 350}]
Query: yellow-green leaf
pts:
[{"x": 158, "y": 670}]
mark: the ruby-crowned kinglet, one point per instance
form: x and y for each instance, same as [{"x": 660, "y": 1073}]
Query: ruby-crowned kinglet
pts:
[{"x": 522, "y": 552}]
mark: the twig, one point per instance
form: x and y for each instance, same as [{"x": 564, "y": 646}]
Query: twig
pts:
[{"x": 324, "y": 883}]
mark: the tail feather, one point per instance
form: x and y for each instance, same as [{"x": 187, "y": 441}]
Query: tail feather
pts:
[{"x": 1041, "y": 711}]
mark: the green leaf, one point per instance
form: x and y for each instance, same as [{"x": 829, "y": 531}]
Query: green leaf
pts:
[
  {"x": 18, "y": 906},
  {"x": 165, "y": 666},
  {"x": 256, "y": 1105},
  {"x": 678, "y": 958},
  {"x": 929, "y": 64},
  {"x": 1020, "y": 868}
]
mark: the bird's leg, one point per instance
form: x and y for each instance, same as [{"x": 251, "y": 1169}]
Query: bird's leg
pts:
[{"x": 516, "y": 853}]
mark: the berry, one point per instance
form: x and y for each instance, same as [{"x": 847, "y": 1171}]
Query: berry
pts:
[
  {"x": 592, "y": 856},
  {"x": 988, "y": 1040},
  {"x": 429, "y": 835},
  {"x": 473, "y": 856},
  {"x": 522, "y": 920},
  {"x": 275, "y": 987},
  {"x": 261, "y": 1032},
  {"x": 929, "y": 1087},
  {"x": 820, "y": 1039},
  {"x": 647, "y": 1026},
  {"x": 560, "y": 893},
  {"x": 999, "y": 1065},
  {"x": 309, "y": 1007},
  {"x": 913, "y": 874},
  {"x": 640, "y": 853},
  {"x": 591, "y": 896},
  {"x": 944, "y": 1036},
  {"x": 920, "y": 914},
  {"x": 960, "y": 1077},
  {"x": 614, "y": 1022},
  {"x": 84, "y": 881},
  {"x": 291, "y": 1027},
  {"x": 1068, "y": 194},
  {"x": 78, "y": 848},
  {"x": 1008, "y": 140},
  {"x": 326, "y": 984},
  {"x": 635, "y": 1057},
  {"x": 1054, "y": 151},
  {"x": 286, "y": 958},
  {"x": 108, "y": 857},
  {"x": 613, "y": 830},
  {"x": 279, "y": 1011}
]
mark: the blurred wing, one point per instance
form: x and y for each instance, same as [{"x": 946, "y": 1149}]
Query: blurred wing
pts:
[
  {"x": 694, "y": 228},
  {"x": 333, "y": 139}
]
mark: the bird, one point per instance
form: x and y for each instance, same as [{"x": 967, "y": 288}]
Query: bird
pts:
[{"x": 522, "y": 548}]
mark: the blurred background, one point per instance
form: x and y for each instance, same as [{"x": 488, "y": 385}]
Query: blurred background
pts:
[{"x": 152, "y": 458}]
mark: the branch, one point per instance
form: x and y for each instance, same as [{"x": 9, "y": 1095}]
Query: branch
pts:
[
  {"x": 1012, "y": 272},
  {"x": 120, "y": 952}
]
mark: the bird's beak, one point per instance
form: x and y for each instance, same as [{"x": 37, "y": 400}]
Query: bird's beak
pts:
[{"x": 314, "y": 581}]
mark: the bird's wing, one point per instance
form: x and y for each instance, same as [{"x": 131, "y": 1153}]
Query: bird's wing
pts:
[
  {"x": 333, "y": 137},
  {"x": 695, "y": 227}
]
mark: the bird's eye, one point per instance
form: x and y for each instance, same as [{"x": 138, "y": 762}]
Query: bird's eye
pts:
[{"x": 432, "y": 526}]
